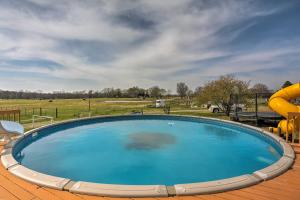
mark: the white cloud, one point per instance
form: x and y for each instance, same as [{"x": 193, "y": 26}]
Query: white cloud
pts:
[{"x": 180, "y": 35}]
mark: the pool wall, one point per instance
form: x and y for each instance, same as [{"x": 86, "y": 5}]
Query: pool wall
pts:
[{"x": 9, "y": 162}]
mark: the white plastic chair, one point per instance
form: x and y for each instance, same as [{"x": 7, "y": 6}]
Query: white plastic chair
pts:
[{"x": 9, "y": 129}]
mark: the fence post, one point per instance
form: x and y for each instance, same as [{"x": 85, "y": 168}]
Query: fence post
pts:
[
  {"x": 56, "y": 113},
  {"x": 256, "y": 109}
]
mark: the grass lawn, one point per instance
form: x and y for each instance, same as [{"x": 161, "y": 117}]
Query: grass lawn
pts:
[{"x": 76, "y": 108}]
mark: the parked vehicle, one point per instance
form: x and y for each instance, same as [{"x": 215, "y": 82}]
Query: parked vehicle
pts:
[
  {"x": 159, "y": 103},
  {"x": 220, "y": 108}
]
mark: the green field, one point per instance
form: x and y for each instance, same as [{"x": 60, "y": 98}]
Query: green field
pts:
[{"x": 77, "y": 108}]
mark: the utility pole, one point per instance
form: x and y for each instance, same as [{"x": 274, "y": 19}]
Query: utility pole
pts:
[{"x": 90, "y": 95}]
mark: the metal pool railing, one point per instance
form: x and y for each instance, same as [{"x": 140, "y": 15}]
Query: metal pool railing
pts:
[{"x": 39, "y": 116}]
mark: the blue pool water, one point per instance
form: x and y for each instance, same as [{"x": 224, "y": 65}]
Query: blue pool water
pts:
[{"x": 147, "y": 150}]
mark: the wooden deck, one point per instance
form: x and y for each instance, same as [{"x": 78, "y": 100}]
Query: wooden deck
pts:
[{"x": 284, "y": 187}]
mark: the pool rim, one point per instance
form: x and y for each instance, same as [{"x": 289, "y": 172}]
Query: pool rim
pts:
[{"x": 115, "y": 190}]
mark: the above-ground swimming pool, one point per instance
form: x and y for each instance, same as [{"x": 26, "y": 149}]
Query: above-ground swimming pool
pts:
[{"x": 150, "y": 150}]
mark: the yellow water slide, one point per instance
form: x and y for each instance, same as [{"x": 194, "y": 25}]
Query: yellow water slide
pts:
[{"x": 280, "y": 103}]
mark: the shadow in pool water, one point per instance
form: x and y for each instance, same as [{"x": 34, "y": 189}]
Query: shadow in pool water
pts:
[{"x": 149, "y": 141}]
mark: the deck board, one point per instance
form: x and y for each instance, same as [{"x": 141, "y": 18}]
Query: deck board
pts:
[
  {"x": 264, "y": 194},
  {"x": 18, "y": 191},
  {"x": 230, "y": 196},
  {"x": 210, "y": 197},
  {"x": 284, "y": 187},
  {"x": 246, "y": 195},
  {"x": 4, "y": 194},
  {"x": 278, "y": 193},
  {"x": 64, "y": 194},
  {"x": 34, "y": 190}
]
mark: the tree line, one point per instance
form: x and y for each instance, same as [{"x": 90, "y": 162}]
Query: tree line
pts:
[
  {"x": 218, "y": 91},
  {"x": 133, "y": 92}
]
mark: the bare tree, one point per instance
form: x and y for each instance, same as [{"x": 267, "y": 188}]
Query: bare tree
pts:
[
  {"x": 198, "y": 91},
  {"x": 182, "y": 89},
  {"x": 156, "y": 92},
  {"x": 259, "y": 88},
  {"x": 189, "y": 95},
  {"x": 134, "y": 91}
]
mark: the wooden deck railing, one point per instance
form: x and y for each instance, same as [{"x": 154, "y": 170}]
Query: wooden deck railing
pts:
[
  {"x": 294, "y": 118},
  {"x": 14, "y": 115}
]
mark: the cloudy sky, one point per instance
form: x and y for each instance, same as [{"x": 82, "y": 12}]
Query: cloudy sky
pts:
[{"x": 92, "y": 44}]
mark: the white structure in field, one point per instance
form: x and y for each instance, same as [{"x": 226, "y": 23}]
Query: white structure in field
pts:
[
  {"x": 34, "y": 117},
  {"x": 159, "y": 103}
]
